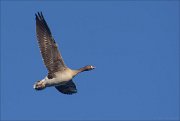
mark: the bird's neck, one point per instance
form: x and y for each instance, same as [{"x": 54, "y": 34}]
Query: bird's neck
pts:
[{"x": 79, "y": 71}]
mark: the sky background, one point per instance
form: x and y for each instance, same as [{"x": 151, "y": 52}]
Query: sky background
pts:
[{"x": 134, "y": 46}]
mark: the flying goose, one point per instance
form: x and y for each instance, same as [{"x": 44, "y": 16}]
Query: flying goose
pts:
[{"x": 59, "y": 75}]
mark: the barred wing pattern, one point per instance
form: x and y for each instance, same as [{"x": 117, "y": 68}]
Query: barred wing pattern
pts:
[{"x": 48, "y": 47}]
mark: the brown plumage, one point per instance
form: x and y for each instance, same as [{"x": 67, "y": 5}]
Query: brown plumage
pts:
[
  {"x": 49, "y": 50},
  {"x": 59, "y": 75}
]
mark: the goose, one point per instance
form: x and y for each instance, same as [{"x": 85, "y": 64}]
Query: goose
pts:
[{"x": 59, "y": 75}]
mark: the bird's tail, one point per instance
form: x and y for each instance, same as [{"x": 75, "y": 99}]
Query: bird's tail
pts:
[{"x": 39, "y": 85}]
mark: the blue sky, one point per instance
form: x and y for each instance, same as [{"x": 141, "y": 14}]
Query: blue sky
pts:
[{"x": 133, "y": 44}]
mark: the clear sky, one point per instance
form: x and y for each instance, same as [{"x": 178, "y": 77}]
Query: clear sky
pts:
[{"x": 134, "y": 45}]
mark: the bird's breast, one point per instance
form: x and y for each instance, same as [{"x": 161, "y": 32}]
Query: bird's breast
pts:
[
  {"x": 60, "y": 77},
  {"x": 63, "y": 76}
]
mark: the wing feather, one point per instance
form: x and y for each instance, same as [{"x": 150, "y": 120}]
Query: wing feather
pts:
[
  {"x": 67, "y": 88},
  {"x": 49, "y": 50}
]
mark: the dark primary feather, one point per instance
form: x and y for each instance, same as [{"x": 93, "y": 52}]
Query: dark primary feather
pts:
[
  {"x": 48, "y": 47},
  {"x": 67, "y": 88}
]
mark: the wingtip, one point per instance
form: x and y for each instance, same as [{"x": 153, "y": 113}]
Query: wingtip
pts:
[
  {"x": 36, "y": 15},
  {"x": 39, "y": 15}
]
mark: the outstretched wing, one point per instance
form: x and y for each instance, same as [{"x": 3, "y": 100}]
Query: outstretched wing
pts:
[
  {"x": 48, "y": 47},
  {"x": 67, "y": 88}
]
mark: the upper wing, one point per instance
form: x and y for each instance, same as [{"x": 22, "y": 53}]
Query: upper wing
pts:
[
  {"x": 67, "y": 88},
  {"x": 48, "y": 47}
]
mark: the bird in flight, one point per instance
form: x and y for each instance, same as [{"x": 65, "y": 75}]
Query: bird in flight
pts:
[{"x": 59, "y": 75}]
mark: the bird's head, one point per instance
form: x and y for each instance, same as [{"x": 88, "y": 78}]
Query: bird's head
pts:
[{"x": 89, "y": 67}]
